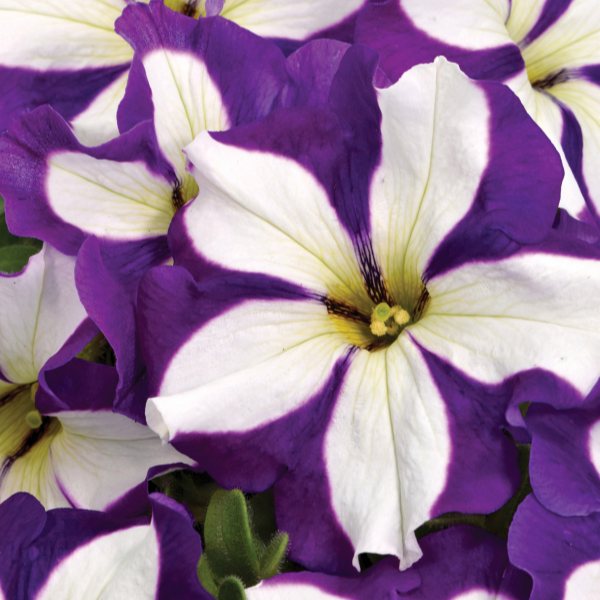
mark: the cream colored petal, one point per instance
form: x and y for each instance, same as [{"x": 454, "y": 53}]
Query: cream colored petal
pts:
[
  {"x": 117, "y": 200},
  {"x": 64, "y": 35}
]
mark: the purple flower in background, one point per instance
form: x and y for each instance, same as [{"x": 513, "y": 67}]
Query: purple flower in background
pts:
[
  {"x": 565, "y": 456},
  {"x": 73, "y": 554},
  {"x": 562, "y": 554},
  {"x": 460, "y": 563},
  {"x": 546, "y": 51},
  {"x": 364, "y": 302},
  {"x": 59, "y": 439}
]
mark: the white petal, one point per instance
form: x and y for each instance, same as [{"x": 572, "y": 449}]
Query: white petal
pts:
[
  {"x": 284, "y": 19},
  {"x": 65, "y": 35},
  {"x": 186, "y": 102},
  {"x": 232, "y": 221},
  {"x": 572, "y": 41},
  {"x": 583, "y": 98},
  {"x": 387, "y": 451},
  {"x": 593, "y": 445},
  {"x": 583, "y": 582},
  {"x": 495, "y": 319},
  {"x": 117, "y": 566},
  {"x": 39, "y": 310},
  {"x": 97, "y": 124},
  {"x": 265, "y": 359},
  {"x": 471, "y": 24},
  {"x": 116, "y": 200},
  {"x": 523, "y": 16},
  {"x": 435, "y": 151},
  {"x": 276, "y": 590},
  {"x": 99, "y": 456}
]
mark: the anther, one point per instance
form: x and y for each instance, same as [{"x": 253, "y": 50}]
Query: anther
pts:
[{"x": 378, "y": 328}]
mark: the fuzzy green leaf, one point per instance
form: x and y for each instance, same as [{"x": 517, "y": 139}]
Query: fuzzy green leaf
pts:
[
  {"x": 273, "y": 556},
  {"x": 206, "y": 577},
  {"x": 232, "y": 589},
  {"x": 229, "y": 545}
]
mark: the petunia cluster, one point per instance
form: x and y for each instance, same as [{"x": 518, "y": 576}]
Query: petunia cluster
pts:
[{"x": 300, "y": 299}]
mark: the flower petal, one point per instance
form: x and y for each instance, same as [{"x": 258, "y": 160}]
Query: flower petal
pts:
[
  {"x": 231, "y": 222},
  {"x": 531, "y": 310},
  {"x": 120, "y": 191},
  {"x": 69, "y": 35},
  {"x": 88, "y": 554},
  {"x": 97, "y": 124},
  {"x": 562, "y": 554},
  {"x": 40, "y": 312},
  {"x": 198, "y": 392},
  {"x": 281, "y": 19},
  {"x": 564, "y": 465}
]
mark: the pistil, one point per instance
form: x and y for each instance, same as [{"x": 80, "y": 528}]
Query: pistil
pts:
[{"x": 387, "y": 320}]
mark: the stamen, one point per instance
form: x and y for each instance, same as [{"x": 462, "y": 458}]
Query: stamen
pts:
[
  {"x": 382, "y": 313},
  {"x": 393, "y": 329},
  {"x": 32, "y": 392},
  {"x": 33, "y": 419},
  {"x": 401, "y": 316},
  {"x": 378, "y": 328}
]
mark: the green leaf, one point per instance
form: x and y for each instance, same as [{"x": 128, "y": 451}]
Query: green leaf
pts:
[
  {"x": 1, "y": 205},
  {"x": 14, "y": 258},
  {"x": 261, "y": 509},
  {"x": 232, "y": 589},
  {"x": 229, "y": 545},
  {"x": 206, "y": 577},
  {"x": 273, "y": 556}
]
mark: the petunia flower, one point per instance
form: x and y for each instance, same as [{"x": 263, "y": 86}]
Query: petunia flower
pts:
[
  {"x": 291, "y": 23},
  {"x": 460, "y": 563},
  {"x": 59, "y": 439},
  {"x": 68, "y": 55},
  {"x": 547, "y": 52},
  {"x": 187, "y": 76},
  {"x": 562, "y": 554},
  {"x": 73, "y": 554},
  {"x": 311, "y": 230}
]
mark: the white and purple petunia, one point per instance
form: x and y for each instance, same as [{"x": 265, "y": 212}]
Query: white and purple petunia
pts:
[
  {"x": 187, "y": 76},
  {"x": 73, "y": 554},
  {"x": 546, "y": 51},
  {"x": 460, "y": 563},
  {"x": 59, "y": 439},
  {"x": 68, "y": 55},
  {"x": 562, "y": 554},
  {"x": 267, "y": 358}
]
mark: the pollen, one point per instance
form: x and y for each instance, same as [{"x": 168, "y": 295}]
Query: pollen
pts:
[
  {"x": 401, "y": 316},
  {"x": 378, "y": 328},
  {"x": 387, "y": 321}
]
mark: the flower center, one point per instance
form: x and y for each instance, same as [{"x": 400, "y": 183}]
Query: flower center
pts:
[
  {"x": 381, "y": 327},
  {"x": 23, "y": 430}
]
